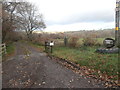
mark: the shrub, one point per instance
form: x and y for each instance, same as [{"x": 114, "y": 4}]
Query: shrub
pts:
[
  {"x": 89, "y": 41},
  {"x": 12, "y": 37},
  {"x": 73, "y": 41},
  {"x": 40, "y": 39},
  {"x": 98, "y": 44}
]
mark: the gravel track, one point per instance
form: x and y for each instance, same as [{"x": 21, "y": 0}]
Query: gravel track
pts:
[{"x": 30, "y": 68}]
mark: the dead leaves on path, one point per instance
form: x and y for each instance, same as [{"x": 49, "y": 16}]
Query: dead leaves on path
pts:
[
  {"x": 24, "y": 80},
  {"x": 25, "y": 77},
  {"x": 91, "y": 73},
  {"x": 15, "y": 83}
]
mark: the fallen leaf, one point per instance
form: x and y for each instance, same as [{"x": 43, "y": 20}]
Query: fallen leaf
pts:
[
  {"x": 35, "y": 83},
  {"x": 39, "y": 84},
  {"x": 43, "y": 82},
  {"x": 88, "y": 81}
]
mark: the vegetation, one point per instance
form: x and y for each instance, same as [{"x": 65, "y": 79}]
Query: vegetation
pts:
[
  {"x": 20, "y": 16},
  {"x": 73, "y": 41},
  {"x": 86, "y": 56},
  {"x": 19, "y": 20},
  {"x": 89, "y": 41},
  {"x": 36, "y": 45},
  {"x": 41, "y": 47},
  {"x": 10, "y": 49},
  {"x": 29, "y": 19}
]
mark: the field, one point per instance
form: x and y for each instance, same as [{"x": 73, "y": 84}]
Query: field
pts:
[{"x": 80, "y": 41}]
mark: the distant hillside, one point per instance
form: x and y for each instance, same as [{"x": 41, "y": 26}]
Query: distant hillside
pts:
[
  {"x": 95, "y": 33},
  {"x": 106, "y": 33}
]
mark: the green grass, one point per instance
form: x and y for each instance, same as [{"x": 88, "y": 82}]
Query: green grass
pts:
[
  {"x": 37, "y": 45},
  {"x": 100, "y": 40},
  {"x": 41, "y": 47},
  {"x": 86, "y": 56},
  {"x": 10, "y": 48}
]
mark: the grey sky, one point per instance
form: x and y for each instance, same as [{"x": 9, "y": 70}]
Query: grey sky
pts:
[
  {"x": 65, "y": 15},
  {"x": 106, "y": 16}
]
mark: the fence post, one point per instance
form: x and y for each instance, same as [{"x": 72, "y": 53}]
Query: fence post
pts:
[
  {"x": 45, "y": 46},
  {"x": 65, "y": 41}
]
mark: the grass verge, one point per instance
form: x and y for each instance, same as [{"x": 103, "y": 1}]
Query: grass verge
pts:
[
  {"x": 10, "y": 49},
  {"x": 86, "y": 56},
  {"x": 36, "y": 45}
]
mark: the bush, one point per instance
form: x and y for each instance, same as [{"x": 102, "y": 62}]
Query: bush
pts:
[
  {"x": 40, "y": 39},
  {"x": 12, "y": 37},
  {"x": 89, "y": 41},
  {"x": 73, "y": 41}
]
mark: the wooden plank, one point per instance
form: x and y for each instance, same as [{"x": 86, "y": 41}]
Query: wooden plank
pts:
[
  {"x": 2, "y": 49},
  {"x": 2, "y": 44}
]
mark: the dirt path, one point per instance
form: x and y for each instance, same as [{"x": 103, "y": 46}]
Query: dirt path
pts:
[{"x": 32, "y": 69}]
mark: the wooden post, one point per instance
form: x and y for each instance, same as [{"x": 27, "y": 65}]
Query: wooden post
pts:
[
  {"x": 65, "y": 41},
  {"x": 45, "y": 46}
]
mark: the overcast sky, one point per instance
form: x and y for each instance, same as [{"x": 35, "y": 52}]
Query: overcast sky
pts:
[{"x": 73, "y": 15}]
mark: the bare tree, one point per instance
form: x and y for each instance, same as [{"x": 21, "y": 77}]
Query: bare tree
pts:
[
  {"x": 20, "y": 16},
  {"x": 8, "y": 17},
  {"x": 29, "y": 18}
]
